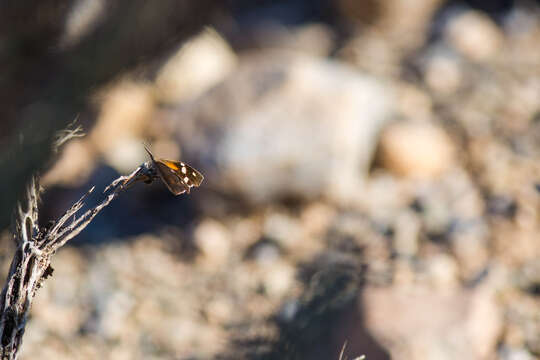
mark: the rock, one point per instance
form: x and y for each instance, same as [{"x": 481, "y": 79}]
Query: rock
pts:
[
  {"x": 371, "y": 52},
  {"x": 316, "y": 218},
  {"x": 278, "y": 279},
  {"x": 316, "y": 39},
  {"x": 407, "y": 231},
  {"x": 418, "y": 323},
  {"x": 416, "y": 150},
  {"x": 283, "y": 229},
  {"x": 443, "y": 72},
  {"x": 475, "y": 36},
  {"x": 528, "y": 276},
  {"x": 286, "y": 124},
  {"x": 198, "y": 65},
  {"x": 403, "y": 272},
  {"x": 74, "y": 166},
  {"x": 126, "y": 108},
  {"x": 406, "y": 32},
  {"x": 58, "y": 306},
  {"x": 522, "y": 321},
  {"x": 264, "y": 251},
  {"x": 118, "y": 307},
  {"x": 443, "y": 272},
  {"x": 508, "y": 353},
  {"x": 126, "y": 154},
  {"x": 470, "y": 247},
  {"x": 213, "y": 239},
  {"x": 220, "y": 310},
  {"x": 414, "y": 103}
]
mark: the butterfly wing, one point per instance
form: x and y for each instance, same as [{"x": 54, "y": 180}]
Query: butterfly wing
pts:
[
  {"x": 171, "y": 179},
  {"x": 178, "y": 176},
  {"x": 187, "y": 174}
]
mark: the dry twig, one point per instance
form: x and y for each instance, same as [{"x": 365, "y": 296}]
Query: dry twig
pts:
[
  {"x": 31, "y": 263},
  {"x": 342, "y": 353},
  {"x": 36, "y": 245}
]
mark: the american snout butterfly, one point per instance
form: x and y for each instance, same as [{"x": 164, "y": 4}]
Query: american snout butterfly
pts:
[{"x": 178, "y": 176}]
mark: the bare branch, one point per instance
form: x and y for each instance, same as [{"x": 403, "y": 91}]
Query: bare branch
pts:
[
  {"x": 79, "y": 224},
  {"x": 67, "y": 215},
  {"x": 26, "y": 218},
  {"x": 31, "y": 263}
]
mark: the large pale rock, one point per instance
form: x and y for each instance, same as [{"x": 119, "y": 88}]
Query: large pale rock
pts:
[
  {"x": 421, "y": 323},
  {"x": 287, "y": 124}
]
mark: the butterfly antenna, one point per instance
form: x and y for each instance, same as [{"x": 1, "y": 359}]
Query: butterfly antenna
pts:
[{"x": 148, "y": 151}]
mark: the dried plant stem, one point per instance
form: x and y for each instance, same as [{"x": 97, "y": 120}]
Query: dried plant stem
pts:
[{"x": 31, "y": 263}]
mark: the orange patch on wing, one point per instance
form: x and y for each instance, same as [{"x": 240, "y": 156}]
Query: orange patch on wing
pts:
[{"x": 170, "y": 164}]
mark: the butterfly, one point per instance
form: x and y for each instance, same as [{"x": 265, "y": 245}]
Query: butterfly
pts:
[{"x": 178, "y": 176}]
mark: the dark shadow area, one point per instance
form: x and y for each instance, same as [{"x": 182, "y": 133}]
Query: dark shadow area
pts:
[
  {"x": 141, "y": 209},
  {"x": 321, "y": 320}
]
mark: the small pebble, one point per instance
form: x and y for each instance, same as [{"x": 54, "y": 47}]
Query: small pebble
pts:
[
  {"x": 416, "y": 149},
  {"x": 213, "y": 239},
  {"x": 475, "y": 36}
]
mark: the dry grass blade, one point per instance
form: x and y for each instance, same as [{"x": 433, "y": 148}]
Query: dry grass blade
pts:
[
  {"x": 342, "y": 353},
  {"x": 67, "y": 134},
  {"x": 342, "y": 350}
]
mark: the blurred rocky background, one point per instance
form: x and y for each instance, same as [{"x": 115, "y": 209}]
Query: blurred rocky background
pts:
[{"x": 372, "y": 176}]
